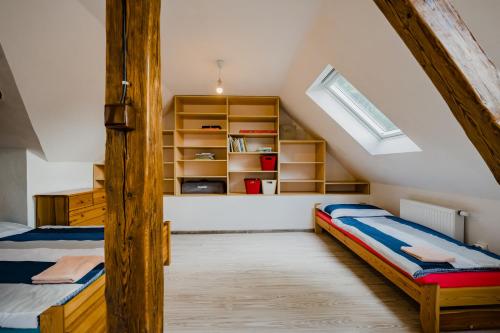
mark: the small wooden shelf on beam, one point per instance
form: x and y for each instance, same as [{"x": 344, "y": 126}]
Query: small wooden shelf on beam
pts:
[{"x": 347, "y": 187}]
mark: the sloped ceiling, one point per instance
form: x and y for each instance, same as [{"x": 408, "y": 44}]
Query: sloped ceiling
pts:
[
  {"x": 56, "y": 50},
  {"x": 355, "y": 38},
  {"x": 15, "y": 126}
]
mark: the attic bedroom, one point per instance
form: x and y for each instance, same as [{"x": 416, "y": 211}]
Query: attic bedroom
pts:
[{"x": 249, "y": 166}]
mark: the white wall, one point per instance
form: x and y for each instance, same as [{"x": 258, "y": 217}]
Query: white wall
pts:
[
  {"x": 43, "y": 177},
  {"x": 246, "y": 212},
  {"x": 13, "y": 204},
  {"x": 483, "y": 223}
]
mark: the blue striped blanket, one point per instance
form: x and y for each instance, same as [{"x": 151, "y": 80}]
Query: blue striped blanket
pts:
[
  {"x": 28, "y": 253},
  {"x": 386, "y": 234}
]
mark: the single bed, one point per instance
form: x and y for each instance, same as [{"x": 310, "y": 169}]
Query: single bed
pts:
[
  {"x": 28, "y": 308},
  {"x": 461, "y": 295}
]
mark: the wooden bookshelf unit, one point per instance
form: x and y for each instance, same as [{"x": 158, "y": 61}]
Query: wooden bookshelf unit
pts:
[{"x": 235, "y": 130}]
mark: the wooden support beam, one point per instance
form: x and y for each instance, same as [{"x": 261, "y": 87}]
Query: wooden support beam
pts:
[
  {"x": 133, "y": 233},
  {"x": 456, "y": 64}
]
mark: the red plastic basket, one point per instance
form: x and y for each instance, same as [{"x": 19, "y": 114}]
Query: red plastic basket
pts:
[
  {"x": 252, "y": 185},
  {"x": 268, "y": 162}
]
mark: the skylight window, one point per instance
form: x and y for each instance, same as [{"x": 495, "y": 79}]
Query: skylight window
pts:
[
  {"x": 364, "y": 110},
  {"x": 359, "y": 117}
]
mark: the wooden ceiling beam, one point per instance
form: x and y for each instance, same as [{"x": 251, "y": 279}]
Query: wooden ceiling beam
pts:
[
  {"x": 456, "y": 64},
  {"x": 134, "y": 271}
]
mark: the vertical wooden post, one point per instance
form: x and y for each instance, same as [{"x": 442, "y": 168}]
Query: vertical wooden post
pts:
[{"x": 133, "y": 233}]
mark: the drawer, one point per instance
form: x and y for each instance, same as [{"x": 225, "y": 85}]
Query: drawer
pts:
[
  {"x": 99, "y": 197},
  {"x": 87, "y": 213},
  {"x": 80, "y": 200},
  {"x": 100, "y": 220}
]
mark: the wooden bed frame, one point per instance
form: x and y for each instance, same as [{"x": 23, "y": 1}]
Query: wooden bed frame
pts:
[
  {"x": 440, "y": 308},
  {"x": 86, "y": 312}
]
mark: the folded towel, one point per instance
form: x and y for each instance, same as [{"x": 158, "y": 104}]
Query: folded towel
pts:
[
  {"x": 428, "y": 254},
  {"x": 68, "y": 269}
]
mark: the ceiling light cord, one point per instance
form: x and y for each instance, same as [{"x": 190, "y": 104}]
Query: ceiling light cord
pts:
[{"x": 125, "y": 83}]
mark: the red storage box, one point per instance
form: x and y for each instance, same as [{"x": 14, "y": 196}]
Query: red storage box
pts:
[
  {"x": 268, "y": 162},
  {"x": 252, "y": 185}
]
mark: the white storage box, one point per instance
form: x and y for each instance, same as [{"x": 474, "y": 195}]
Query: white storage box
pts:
[{"x": 268, "y": 187}]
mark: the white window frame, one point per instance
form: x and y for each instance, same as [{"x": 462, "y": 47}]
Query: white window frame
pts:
[{"x": 363, "y": 117}]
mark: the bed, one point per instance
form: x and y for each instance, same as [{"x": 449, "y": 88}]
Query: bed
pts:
[
  {"x": 461, "y": 295},
  {"x": 28, "y": 308}
]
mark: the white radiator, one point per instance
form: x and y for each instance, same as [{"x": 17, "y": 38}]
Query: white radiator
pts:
[{"x": 448, "y": 221}]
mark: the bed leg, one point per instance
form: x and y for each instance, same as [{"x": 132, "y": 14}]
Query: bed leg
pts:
[
  {"x": 317, "y": 228},
  {"x": 429, "y": 308}
]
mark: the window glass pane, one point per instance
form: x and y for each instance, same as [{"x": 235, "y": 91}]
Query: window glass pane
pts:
[{"x": 338, "y": 82}]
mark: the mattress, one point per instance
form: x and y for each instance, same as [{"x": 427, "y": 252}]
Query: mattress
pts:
[
  {"x": 443, "y": 279},
  {"x": 27, "y": 253}
]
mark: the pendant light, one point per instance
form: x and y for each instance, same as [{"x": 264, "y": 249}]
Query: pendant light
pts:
[{"x": 219, "y": 89}]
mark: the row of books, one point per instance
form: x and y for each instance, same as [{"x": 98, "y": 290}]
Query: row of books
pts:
[{"x": 238, "y": 145}]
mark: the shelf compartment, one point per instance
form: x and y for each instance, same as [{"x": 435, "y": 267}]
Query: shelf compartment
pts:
[
  {"x": 199, "y": 169},
  {"x": 201, "y": 139},
  {"x": 189, "y": 153},
  {"x": 302, "y": 151},
  {"x": 301, "y": 186},
  {"x": 168, "y": 170},
  {"x": 253, "y": 106},
  {"x": 255, "y": 142},
  {"x": 201, "y": 105},
  {"x": 302, "y": 171},
  {"x": 237, "y": 183},
  {"x": 168, "y": 186},
  {"x": 243, "y": 162},
  {"x": 98, "y": 175},
  {"x": 347, "y": 187}
]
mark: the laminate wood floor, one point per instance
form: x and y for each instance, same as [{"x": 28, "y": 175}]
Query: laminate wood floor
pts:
[{"x": 278, "y": 282}]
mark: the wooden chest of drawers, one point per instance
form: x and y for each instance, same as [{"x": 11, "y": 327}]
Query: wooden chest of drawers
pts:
[{"x": 80, "y": 207}]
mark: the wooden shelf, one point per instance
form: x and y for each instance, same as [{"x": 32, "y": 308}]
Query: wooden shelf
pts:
[
  {"x": 200, "y": 115},
  {"x": 307, "y": 162},
  {"x": 300, "y": 141},
  {"x": 201, "y": 161},
  {"x": 253, "y": 118},
  {"x": 202, "y": 131},
  {"x": 165, "y": 147},
  {"x": 168, "y": 131},
  {"x": 251, "y": 153},
  {"x": 254, "y": 135},
  {"x": 347, "y": 187},
  {"x": 201, "y": 176},
  {"x": 202, "y": 147},
  {"x": 301, "y": 180},
  {"x": 168, "y": 179},
  {"x": 253, "y": 171},
  {"x": 168, "y": 162}
]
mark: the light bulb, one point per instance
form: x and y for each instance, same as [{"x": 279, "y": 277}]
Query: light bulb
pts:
[{"x": 219, "y": 90}]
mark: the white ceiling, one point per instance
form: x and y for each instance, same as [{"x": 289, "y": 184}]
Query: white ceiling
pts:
[{"x": 257, "y": 39}]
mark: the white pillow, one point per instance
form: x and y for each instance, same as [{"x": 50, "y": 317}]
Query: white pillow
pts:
[
  {"x": 9, "y": 229},
  {"x": 353, "y": 210}
]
